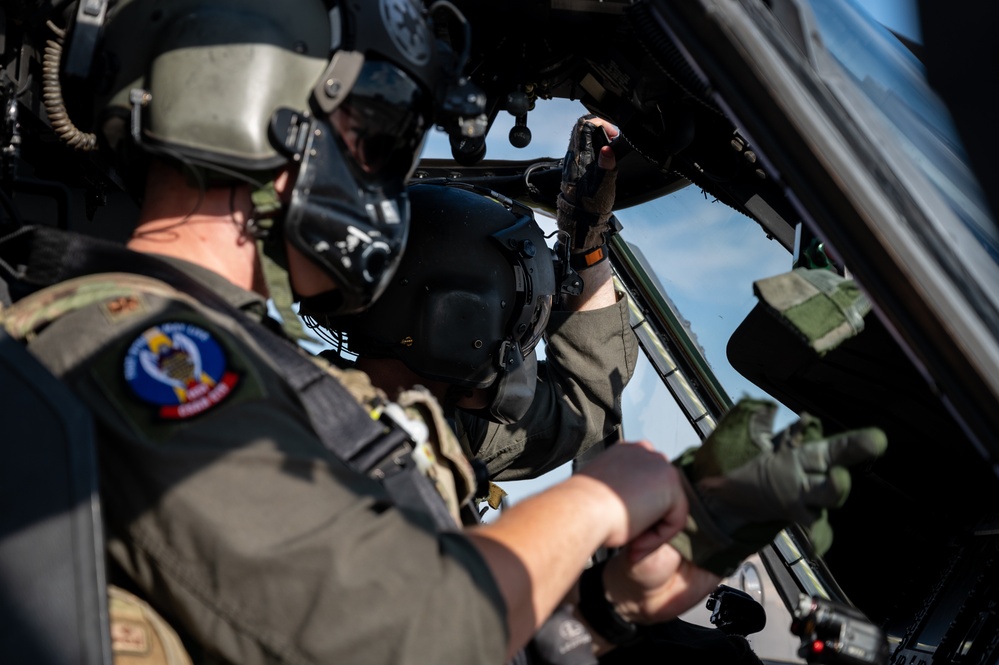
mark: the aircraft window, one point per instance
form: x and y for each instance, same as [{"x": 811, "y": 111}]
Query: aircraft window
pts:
[
  {"x": 893, "y": 80},
  {"x": 706, "y": 257}
]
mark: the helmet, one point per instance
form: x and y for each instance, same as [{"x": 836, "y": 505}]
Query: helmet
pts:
[
  {"x": 471, "y": 297},
  {"x": 239, "y": 88}
]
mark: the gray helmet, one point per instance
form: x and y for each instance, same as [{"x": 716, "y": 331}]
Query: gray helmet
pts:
[
  {"x": 471, "y": 297},
  {"x": 239, "y": 88},
  {"x": 215, "y": 71}
]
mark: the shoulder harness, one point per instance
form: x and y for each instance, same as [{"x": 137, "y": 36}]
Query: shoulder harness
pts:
[{"x": 381, "y": 448}]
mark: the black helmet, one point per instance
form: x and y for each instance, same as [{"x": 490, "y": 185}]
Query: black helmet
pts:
[
  {"x": 470, "y": 299},
  {"x": 346, "y": 89}
]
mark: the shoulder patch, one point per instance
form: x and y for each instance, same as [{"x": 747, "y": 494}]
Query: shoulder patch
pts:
[{"x": 180, "y": 368}]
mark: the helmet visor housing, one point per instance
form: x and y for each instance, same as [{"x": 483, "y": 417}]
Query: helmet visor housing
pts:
[{"x": 382, "y": 122}]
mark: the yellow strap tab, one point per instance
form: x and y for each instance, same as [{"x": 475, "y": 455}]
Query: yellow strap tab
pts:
[{"x": 496, "y": 494}]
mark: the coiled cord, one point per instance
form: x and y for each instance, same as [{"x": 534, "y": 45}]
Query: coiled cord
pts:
[{"x": 52, "y": 96}]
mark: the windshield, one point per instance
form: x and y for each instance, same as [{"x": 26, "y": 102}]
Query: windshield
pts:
[
  {"x": 894, "y": 81},
  {"x": 707, "y": 255}
]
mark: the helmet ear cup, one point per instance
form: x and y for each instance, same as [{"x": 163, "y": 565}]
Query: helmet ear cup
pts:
[
  {"x": 514, "y": 391},
  {"x": 449, "y": 319}
]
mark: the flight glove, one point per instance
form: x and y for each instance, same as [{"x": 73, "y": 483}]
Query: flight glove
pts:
[
  {"x": 744, "y": 485},
  {"x": 587, "y": 199}
]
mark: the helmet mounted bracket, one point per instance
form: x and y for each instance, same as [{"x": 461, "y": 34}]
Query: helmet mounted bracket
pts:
[{"x": 338, "y": 80}]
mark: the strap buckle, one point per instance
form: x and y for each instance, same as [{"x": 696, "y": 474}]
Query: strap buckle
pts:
[{"x": 393, "y": 452}]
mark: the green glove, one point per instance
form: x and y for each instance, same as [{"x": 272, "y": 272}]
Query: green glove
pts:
[
  {"x": 745, "y": 485},
  {"x": 587, "y": 199}
]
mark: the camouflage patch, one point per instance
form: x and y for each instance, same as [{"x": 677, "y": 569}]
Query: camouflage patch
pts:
[
  {"x": 819, "y": 306},
  {"x": 122, "y": 293},
  {"x": 129, "y": 637},
  {"x": 453, "y": 474},
  {"x": 139, "y": 635},
  {"x": 496, "y": 495}
]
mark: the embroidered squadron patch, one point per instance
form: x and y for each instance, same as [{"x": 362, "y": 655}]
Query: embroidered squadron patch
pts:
[{"x": 180, "y": 368}]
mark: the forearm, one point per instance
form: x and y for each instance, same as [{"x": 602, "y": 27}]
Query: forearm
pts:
[
  {"x": 629, "y": 495},
  {"x": 540, "y": 546},
  {"x": 598, "y": 289},
  {"x": 654, "y": 589}
]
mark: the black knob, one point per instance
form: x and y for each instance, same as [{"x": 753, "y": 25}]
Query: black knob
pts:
[{"x": 520, "y": 135}]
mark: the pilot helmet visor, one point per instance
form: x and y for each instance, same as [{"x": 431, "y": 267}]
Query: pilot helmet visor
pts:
[{"x": 382, "y": 123}]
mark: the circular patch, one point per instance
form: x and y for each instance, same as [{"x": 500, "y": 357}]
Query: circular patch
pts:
[
  {"x": 407, "y": 29},
  {"x": 180, "y": 368}
]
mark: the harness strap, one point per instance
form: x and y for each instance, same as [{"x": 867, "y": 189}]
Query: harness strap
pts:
[{"x": 378, "y": 448}]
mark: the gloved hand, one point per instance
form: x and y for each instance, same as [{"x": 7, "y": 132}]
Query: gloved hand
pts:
[
  {"x": 744, "y": 485},
  {"x": 587, "y": 198}
]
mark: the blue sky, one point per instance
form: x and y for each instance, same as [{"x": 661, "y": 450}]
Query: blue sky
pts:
[
  {"x": 705, "y": 254},
  {"x": 899, "y": 15}
]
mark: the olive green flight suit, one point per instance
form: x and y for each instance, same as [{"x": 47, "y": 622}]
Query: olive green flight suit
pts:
[
  {"x": 590, "y": 357},
  {"x": 224, "y": 510}
]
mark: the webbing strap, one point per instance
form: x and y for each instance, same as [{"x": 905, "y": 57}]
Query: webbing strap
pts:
[{"x": 54, "y": 256}]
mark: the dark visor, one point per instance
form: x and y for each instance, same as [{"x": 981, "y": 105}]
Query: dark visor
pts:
[{"x": 383, "y": 121}]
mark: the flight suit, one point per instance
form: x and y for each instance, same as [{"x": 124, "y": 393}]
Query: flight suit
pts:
[
  {"x": 222, "y": 507},
  {"x": 590, "y": 357}
]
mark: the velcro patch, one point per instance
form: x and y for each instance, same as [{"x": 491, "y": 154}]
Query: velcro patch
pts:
[
  {"x": 180, "y": 368},
  {"x": 129, "y": 637}
]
